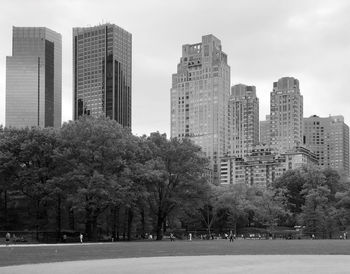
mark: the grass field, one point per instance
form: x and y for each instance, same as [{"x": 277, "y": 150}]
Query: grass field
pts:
[{"x": 16, "y": 255}]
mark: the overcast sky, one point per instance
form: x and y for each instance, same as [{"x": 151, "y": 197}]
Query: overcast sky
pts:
[{"x": 264, "y": 39}]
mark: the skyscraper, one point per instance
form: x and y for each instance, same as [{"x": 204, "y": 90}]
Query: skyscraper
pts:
[
  {"x": 286, "y": 115},
  {"x": 265, "y": 131},
  {"x": 243, "y": 117},
  {"x": 34, "y": 78},
  {"x": 199, "y": 98},
  {"x": 102, "y": 72},
  {"x": 328, "y": 138}
]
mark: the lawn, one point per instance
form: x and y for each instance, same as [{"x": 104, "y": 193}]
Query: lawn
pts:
[{"x": 16, "y": 255}]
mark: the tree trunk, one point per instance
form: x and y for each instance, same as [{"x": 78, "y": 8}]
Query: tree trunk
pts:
[
  {"x": 164, "y": 226},
  {"x": 143, "y": 222},
  {"x": 114, "y": 221},
  {"x": 118, "y": 222},
  {"x": 5, "y": 210},
  {"x": 125, "y": 223},
  {"x": 88, "y": 223},
  {"x": 160, "y": 222},
  {"x": 94, "y": 227},
  {"x": 71, "y": 218},
  {"x": 37, "y": 219},
  {"x": 130, "y": 218},
  {"x": 58, "y": 219}
]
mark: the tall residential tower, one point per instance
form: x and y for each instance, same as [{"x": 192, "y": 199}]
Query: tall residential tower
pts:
[
  {"x": 199, "y": 98},
  {"x": 102, "y": 72},
  {"x": 34, "y": 78},
  {"x": 243, "y": 116},
  {"x": 286, "y": 115},
  {"x": 328, "y": 138}
]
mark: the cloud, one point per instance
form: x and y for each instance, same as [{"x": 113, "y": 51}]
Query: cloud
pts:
[{"x": 264, "y": 40}]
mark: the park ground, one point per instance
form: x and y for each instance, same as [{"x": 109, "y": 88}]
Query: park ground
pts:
[{"x": 210, "y": 256}]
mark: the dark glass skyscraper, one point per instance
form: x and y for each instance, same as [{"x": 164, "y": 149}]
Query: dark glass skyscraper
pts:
[
  {"x": 34, "y": 78},
  {"x": 102, "y": 72}
]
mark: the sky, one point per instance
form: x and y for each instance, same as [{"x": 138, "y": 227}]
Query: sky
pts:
[{"x": 264, "y": 40}]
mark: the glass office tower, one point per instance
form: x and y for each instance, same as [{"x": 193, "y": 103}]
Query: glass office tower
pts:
[
  {"x": 102, "y": 72},
  {"x": 34, "y": 78}
]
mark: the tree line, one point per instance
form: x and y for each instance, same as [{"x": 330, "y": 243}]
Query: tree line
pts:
[{"x": 95, "y": 177}]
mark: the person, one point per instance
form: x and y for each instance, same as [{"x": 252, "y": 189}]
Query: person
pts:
[
  {"x": 345, "y": 235},
  {"x": 313, "y": 236},
  {"x": 190, "y": 236},
  {"x": 64, "y": 238},
  {"x": 7, "y": 238},
  {"x": 81, "y": 238},
  {"x": 172, "y": 238},
  {"x": 231, "y": 236}
]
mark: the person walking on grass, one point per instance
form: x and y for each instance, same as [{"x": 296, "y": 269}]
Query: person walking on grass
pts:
[
  {"x": 7, "y": 238},
  {"x": 172, "y": 238},
  {"x": 231, "y": 236},
  {"x": 81, "y": 238}
]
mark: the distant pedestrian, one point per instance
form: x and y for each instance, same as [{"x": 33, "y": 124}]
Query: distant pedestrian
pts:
[
  {"x": 7, "y": 238},
  {"x": 190, "y": 236},
  {"x": 313, "y": 236},
  {"x": 81, "y": 238},
  {"x": 64, "y": 238},
  {"x": 172, "y": 238},
  {"x": 345, "y": 235},
  {"x": 231, "y": 236}
]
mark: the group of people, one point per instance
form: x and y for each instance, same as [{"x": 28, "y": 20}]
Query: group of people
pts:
[{"x": 14, "y": 238}]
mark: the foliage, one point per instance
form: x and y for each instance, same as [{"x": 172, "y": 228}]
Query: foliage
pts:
[{"x": 95, "y": 177}]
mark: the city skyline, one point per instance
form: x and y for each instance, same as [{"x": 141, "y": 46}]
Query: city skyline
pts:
[{"x": 263, "y": 41}]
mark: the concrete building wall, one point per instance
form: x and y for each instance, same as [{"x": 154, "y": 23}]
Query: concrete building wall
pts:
[
  {"x": 328, "y": 137},
  {"x": 286, "y": 115},
  {"x": 199, "y": 98},
  {"x": 243, "y": 118}
]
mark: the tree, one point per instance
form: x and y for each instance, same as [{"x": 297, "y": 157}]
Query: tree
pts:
[
  {"x": 175, "y": 177},
  {"x": 10, "y": 147},
  {"x": 270, "y": 208},
  {"x": 30, "y": 166},
  {"x": 316, "y": 211},
  {"x": 231, "y": 206},
  {"x": 97, "y": 150},
  {"x": 291, "y": 185}
]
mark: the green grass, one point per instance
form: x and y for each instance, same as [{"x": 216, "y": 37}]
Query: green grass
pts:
[{"x": 15, "y": 255}]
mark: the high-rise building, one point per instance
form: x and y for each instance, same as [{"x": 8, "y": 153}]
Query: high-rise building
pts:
[
  {"x": 199, "y": 98},
  {"x": 243, "y": 120},
  {"x": 328, "y": 138},
  {"x": 34, "y": 78},
  {"x": 102, "y": 72},
  {"x": 286, "y": 115},
  {"x": 265, "y": 131}
]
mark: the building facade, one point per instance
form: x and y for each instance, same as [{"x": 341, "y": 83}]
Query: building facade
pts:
[
  {"x": 199, "y": 98},
  {"x": 34, "y": 78},
  {"x": 243, "y": 120},
  {"x": 263, "y": 165},
  {"x": 102, "y": 72},
  {"x": 265, "y": 131},
  {"x": 328, "y": 138},
  {"x": 286, "y": 115}
]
